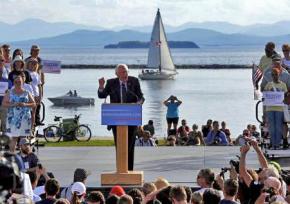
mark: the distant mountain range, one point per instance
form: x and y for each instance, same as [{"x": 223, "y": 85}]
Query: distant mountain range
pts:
[
  {"x": 36, "y": 28},
  {"x": 202, "y": 37}
]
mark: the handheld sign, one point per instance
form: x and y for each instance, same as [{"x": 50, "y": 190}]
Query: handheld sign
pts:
[
  {"x": 3, "y": 88},
  {"x": 273, "y": 98},
  {"x": 122, "y": 114},
  {"x": 51, "y": 66}
]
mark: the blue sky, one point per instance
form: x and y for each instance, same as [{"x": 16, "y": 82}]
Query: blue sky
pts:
[{"x": 111, "y": 13}]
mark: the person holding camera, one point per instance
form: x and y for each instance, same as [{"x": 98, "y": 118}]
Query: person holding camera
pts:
[
  {"x": 216, "y": 136},
  {"x": 172, "y": 116}
]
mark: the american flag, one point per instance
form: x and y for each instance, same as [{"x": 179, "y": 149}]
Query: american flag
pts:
[{"x": 257, "y": 74}]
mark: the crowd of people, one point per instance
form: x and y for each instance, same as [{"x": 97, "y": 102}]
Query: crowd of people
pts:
[
  {"x": 22, "y": 83},
  {"x": 25, "y": 180}
]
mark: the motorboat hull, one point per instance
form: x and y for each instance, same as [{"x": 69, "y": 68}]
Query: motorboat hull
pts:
[{"x": 72, "y": 100}]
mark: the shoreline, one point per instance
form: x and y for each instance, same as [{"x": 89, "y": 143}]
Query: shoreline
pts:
[{"x": 143, "y": 66}]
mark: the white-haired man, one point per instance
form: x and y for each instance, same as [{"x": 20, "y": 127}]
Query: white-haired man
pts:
[{"x": 123, "y": 89}]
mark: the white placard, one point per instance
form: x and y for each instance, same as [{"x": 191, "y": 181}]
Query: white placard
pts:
[
  {"x": 51, "y": 66},
  {"x": 273, "y": 98},
  {"x": 3, "y": 88}
]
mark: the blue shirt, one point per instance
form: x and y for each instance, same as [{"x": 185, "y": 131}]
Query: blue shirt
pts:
[
  {"x": 9, "y": 87},
  {"x": 220, "y": 136},
  {"x": 172, "y": 110}
]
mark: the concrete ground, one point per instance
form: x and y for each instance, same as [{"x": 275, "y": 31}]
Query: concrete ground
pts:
[{"x": 179, "y": 165}]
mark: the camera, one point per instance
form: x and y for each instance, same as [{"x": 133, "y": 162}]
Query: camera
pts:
[
  {"x": 235, "y": 164},
  {"x": 271, "y": 192}
]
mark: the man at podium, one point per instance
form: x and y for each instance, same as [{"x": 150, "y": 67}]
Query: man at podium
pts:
[{"x": 123, "y": 89}]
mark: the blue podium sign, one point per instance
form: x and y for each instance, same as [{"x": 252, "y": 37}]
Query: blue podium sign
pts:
[{"x": 121, "y": 114}]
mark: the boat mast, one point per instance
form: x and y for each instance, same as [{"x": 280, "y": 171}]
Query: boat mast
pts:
[{"x": 159, "y": 43}]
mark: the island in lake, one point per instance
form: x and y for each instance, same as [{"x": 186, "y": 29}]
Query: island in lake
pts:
[{"x": 139, "y": 44}]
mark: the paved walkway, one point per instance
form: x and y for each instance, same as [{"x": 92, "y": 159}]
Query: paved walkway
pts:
[{"x": 177, "y": 164}]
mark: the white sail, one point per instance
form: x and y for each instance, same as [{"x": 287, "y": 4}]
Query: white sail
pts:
[{"x": 159, "y": 55}]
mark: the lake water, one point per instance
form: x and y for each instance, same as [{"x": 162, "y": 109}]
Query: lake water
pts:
[{"x": 217, "y": 94}]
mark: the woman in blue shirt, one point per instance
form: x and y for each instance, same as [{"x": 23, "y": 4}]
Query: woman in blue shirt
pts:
[{"x": 172, "y": 115}]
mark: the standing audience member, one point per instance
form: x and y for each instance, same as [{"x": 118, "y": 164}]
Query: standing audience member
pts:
[
  {"x": 78, "y": 191},
  {"x": 196, "y": 198},
  {"x": 17, "y": 68},
  {"x": 178, "y": 195},
  {"x": 205, "y": 179},
  {"x": 51, "y": 190},
  {"x": 6, "y": 53},
  {"x": 112, "y": 199},
  {"x": 18, "y": 52},
  {"x": 206, "y": 128},
  {"x": 3, "y": 110},
  {"x": 230, "y": 190},
  {"x": 117, "y": 190},
  {"x": 172, "y": 116},
  {"x": 286, "y": 58},
  {"x": 211, "y": 196},
  {"x": 3, "y": 69},
  {"x": 150, "y": 127},
  {"x": 136, "y": 195},
  {"x": 95, "y": 197},
  {"x": 266, "y": 60},
  {"x": 125, "y": 199},
  {"x": 19, "y": 103},
  {"x": 80, "y": 175},
  {"x": 32, "y": 68},
  {"x": 275, "y": 113},
  {"x": 148, "y": 188},
  {"x": 29, "y": 159},
  {"x": 215, "y": 136}
]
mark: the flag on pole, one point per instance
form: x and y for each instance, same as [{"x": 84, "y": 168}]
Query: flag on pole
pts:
[{"x": 257, "y": 75}]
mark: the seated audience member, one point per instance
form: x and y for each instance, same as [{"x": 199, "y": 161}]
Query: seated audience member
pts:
[
  {"x": 242, "y": 139},
  {"x": 95, "y": 197},
  {"x": 211, "y": 196},
  {"x": 78, "y": 191},
  {"x": 182, "y": 133},
  {"x": 183, "y": 127},
  {"x": 80, "y": 175},
  {"x": 139, "y": 132},
  {"x": 125, "y": 199},
  {"x": 226, "y": 131},
  {"x": 117, "y": 190},
  {"x": 195, "y": 136},
  {"x": 51, "y": 190},
  {"x": 136, "y": 195},
  {"x": 171, "y": 140},
  {"x": 206, "y": 128},
  {"x": 178, "y": 195},
  {"x": 215, "y": 136},
  {"x": 150, "y": 127},
  {"x": 145, "y": 141},
  {"x": 230, "y": 190},
  {"x": 29, "y": 159}
]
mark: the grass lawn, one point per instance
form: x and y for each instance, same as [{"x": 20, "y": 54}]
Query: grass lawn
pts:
[{"x": 91, "y": 143}]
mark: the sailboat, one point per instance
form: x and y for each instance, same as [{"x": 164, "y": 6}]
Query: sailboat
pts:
[{"x": 160, "y": 64}]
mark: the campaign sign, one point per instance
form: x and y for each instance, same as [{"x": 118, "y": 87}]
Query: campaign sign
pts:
[
  {"x": 3, "y": 88},
  {"x": 51, "y": 66},
  {"x": 121, "y": 114},
  {"x": 273, "y": 98}
]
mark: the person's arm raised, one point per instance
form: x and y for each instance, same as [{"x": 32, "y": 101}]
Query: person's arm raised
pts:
[
  {"x": 242, "y": 168},
  {"x": 262, "y": 159}
]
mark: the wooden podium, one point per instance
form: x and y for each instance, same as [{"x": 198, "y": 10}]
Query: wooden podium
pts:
[{"x": 122, "y": 176}]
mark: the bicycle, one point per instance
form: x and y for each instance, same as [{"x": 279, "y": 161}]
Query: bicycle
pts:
[{"x": 80, "y": 132}]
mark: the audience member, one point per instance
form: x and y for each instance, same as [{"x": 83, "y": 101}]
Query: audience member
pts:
[
  {"x": 62, "y": 201},
  {"x": 182, "y": 133},
  {"x": 161, "y": 183},
  {"x": 3, "y": 69},
  {"x": 230, "y": 190},
  {"x": 112, "y": 199},
  {"x": 196, "y": 198},
  {"x": 286, "y": 58},
  {"x": 80, "y": 175},
  {"x": 95, "y": 197},
  {"x": 206, "y": 128},
  {"x": 205, "y": 179},
  {"x": 33, "y": 181},
  {"x": 266, "y": 60},
  {"x": 172, "y": 115},
  {"x": 145, "y": 141},
  {"x": 211, "y": 196},
  {"x": 6, "y": 53},
  {"x": 117, "y": 190},
  {"x": 195, "y": 136},
  {"x": 148, "y": 188},
  {"x": 78, "y": 191},
  {"x": 215, "y": 136},
  {"x": 29, "y": 159},
  {"x": 242, "y": 139},
  {"x": 51, "y": 190},
  {"x": 136, "y": 195},
  {"x": 18, "y": 52},
  {"x": 226, "y": 131},
  {"x": 178, "y": 195},
  {"x": 149, "y": 127},
  {"x": 17, "y": 67},
  {"x": 125, "y": 199}
]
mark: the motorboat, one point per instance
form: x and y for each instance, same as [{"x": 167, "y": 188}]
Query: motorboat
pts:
[
  {"x": 71, "y": 99},
  {"x": 160, "y": 65}
]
